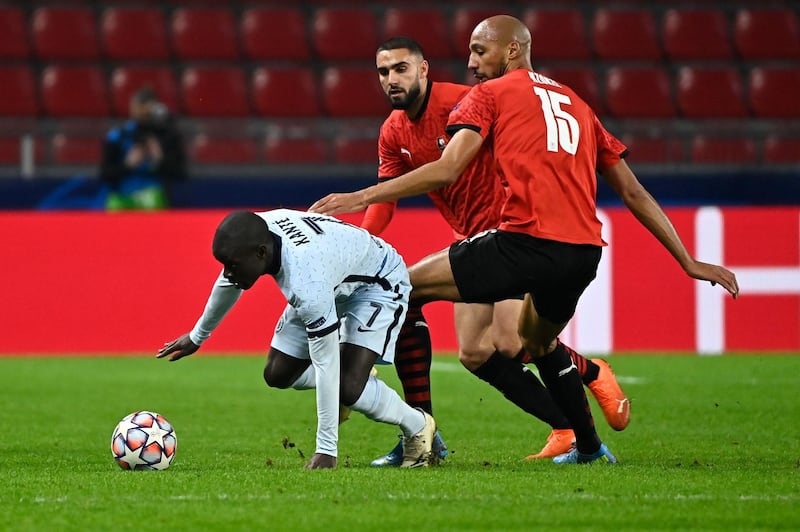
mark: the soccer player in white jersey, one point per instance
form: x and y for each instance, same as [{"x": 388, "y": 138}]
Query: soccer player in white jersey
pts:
[{"x": 347, "y": 294}]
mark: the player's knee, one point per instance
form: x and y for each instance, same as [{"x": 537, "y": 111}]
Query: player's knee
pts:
[
  {"x": 273, "y": 379},
  {"x": 350, "y": 391},
  {"x": 508, "y": 347},
  {"x": 472, "y": 357}
]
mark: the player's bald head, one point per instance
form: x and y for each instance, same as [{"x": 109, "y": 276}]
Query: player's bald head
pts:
[
  {"x": 503, "y": 30},
  {"x": 240, "y": 230}
]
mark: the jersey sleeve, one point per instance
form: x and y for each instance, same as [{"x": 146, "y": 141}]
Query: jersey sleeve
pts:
[
  {"x": 476, "y": 112},
  {"x": 390, "y": 162},
  {"x": 223, "y": 296},
  {"x": 324, "y": 352},
  {"x": 378, "y": 216},
  {"x": 610, "y": 150}
]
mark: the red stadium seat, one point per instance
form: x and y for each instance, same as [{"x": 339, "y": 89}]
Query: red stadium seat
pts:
[
  {"x": 464, "y": 21},
  {"x": 344, "y": 33},
  {"x": 782, "y": 150},
  {"x": 582, "y": 80},
  {"x": 14, "y": 29},
  {"x": 65, "y": 33},
  {"x": 215, "y": 91},
  {"x": 11, "y": 150},
  {"x": 645, "y": 149},
  {"x": 290, "y": 91},
  {"x": 131, "y": 33},
  {"x": 355, "y": 150},
  {"x": 625, "y": 34},
  {"x": 639, "y": 92},
  {"x": 295, "y": 150},
  {"x": 696, "y": 34},
  {"x": 125, "y": 80},
  {"x": 74, "y": 91},
  {"x": 710, "y": 92},
  {"x": 774, "y": 91},
  {"x": 353, "y": 91},
  {"x": 19, "y": 91},
  {"x": 207, "y": 149},
  {"x": 722, "y": 150},
  {"x": 204, "y": 33},
  {"x": 767, "y": 34},
  {"x": 83, "y": 150},
  {"x": 428, "y": 26},
  {"x": 275, "y": 33},
  {"x": 557, "y": 34}
]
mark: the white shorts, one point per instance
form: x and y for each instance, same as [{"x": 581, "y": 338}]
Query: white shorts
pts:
[{"x": 370, "y": 317}]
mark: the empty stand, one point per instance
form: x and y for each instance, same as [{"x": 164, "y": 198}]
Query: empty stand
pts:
[
  {"x": 134, "y": 33},
  {"x": 710, "y": 92},
  {"x": 76, "y": 150},
  {"x": 355, "y": 150},
  {"x": 295, "y": 150},
  {"x": 767, "y": 34},
  {"x": 74, "y": 91},
  {"x": 344, "y": 34},
  {"x": 125, "y": 80},
  {"x": 275, "y": 34},
  {"x": 696, "y": 34},
  {"x": 582, "y": 80},
  {"x": 15, "y": 43},
  {"x": 204, "y": 33},
  {"x": 206, "y": 149},
  {"x": 781, "y": 150},
  {"x": 353, "y": 91},
  {"x": 428, "y": 26},
  {"x": 774, "y": 91},
  {"x": 215, "y": 91},
  {"x": 464, "y": 21},
  {"x": 19, "y": 91},
  {"x": 653, "y": 150},
  {"x": 625, "y": 34},
  {"x": 722, "y": 150},
  {"x": 65, "y": 33},
  {"x": 290, "y": 91},
  {"x": 11, "y": 150},
  {"x": 639, "y": 92},
  {"x": 557, "y": 34}
]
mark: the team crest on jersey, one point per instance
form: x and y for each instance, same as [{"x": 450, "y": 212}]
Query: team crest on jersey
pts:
[{"x": 441, "y": 143}]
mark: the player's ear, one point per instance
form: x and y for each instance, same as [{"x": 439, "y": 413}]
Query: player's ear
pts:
[{"x": 424, "y": 68}]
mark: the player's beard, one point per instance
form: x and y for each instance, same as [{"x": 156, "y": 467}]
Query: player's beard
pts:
[{"x": 410, "y": 98}]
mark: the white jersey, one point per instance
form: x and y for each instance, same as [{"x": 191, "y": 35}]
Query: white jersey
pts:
[{"x": 323, "y": 261}]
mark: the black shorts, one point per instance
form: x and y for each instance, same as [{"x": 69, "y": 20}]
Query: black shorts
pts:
[{"x": 498, "y": 265}]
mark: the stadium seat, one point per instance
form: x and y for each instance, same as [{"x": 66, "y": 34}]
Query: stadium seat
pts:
[
  {"x": 206, "y": 149},
  {"x": 19, "y": 91},
  {"x": 582, "y": 80},
  {"x": 428, "y": 26},
  {"x": 767, "y": 34},
  {"x": 722, "y": 150},
  {"x": 464, "y": 21},
  {"x": 344, "y": 33},
  {"x": 134, "y": 33},
  {"x": 15, "y": 43},
  {"x": 290, "y": 91},
  {"x": 215, "y": 91},
  {"x": 65, "y": 33},
  {"x": 625, "y": 34},
  {"x": 125, "y": 80},
  {"x": 11, "y": 150},
  {"x": 781, "y": 150},
  {"x": 696, "y": 34},
  {"x": 557, "y": 34},
  {"x": 653, "y": 149},
  {"x": 204, "y": 33},
  {"x": 352, "y": 91},
  {"x": 74, "y": 91},
  {"x": 710, "y": 92},
  {"x": 78, "y": 150},
  {"x": 355, "y": 150},
  {"x": 638, "y": 93},
  {"x": 275, "y": 34},
  {"x": 280, "y": 149},
  {"x": 774, "y": 91}
]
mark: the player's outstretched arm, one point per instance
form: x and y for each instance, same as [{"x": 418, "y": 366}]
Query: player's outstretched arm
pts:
[
  {"x": 178, "y": 348},
  {"x": 647, "y": 210}
]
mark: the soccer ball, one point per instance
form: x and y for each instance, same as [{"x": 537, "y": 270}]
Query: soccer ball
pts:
[{"x": 144, "y": 440}]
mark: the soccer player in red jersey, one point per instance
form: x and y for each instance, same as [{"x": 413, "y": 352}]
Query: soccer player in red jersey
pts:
[
  {"x": 548, "y": 145},
  {"x": 489, "y": 346}
]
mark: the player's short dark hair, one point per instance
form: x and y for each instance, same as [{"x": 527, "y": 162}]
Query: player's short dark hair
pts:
[
  {"x": 240, "y": 229},
  {"x": 144, "y": 94},
  {"x": 402, "y": 42}
]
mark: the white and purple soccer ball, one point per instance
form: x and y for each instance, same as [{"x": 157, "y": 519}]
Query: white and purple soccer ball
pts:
[{"x": 144, "y": 440}]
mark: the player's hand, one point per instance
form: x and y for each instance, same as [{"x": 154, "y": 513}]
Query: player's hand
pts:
[
  {"x": 321, "y": 461},
  {"x": 178, "y": 348},
  {"x": 135, "y": 156},
  {"x": 338, "y": 203},
  {"x": 715, "y": 275}
]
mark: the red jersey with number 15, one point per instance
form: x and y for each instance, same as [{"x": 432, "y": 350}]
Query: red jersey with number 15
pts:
[
  {"x": 548, "y": 145},
  {"x": 473, "y": 202}
]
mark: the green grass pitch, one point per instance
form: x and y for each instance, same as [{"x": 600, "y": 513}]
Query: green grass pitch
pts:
[{"x": 713, "y": 444}]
